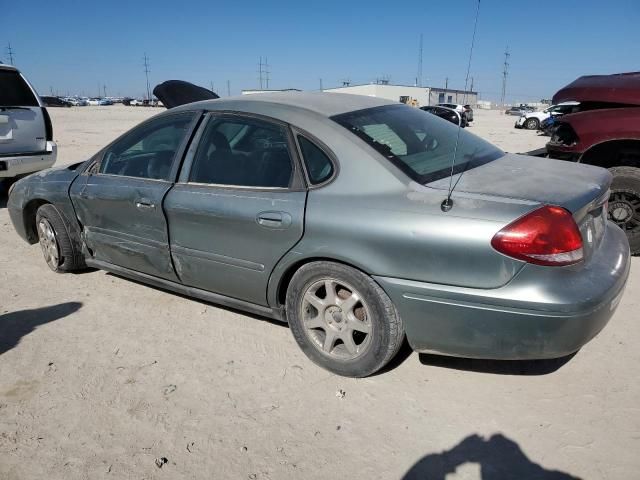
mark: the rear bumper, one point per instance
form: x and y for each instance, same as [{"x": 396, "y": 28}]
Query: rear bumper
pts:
[
  {"x": 543, "y": 312},
  {"x": 12, "y": 166}
]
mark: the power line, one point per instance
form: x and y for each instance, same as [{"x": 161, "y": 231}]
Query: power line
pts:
[
  {"x": 505, "y": 74},
  {"x": 10, "y": 53},
  {"x": 146, "y": 72}
]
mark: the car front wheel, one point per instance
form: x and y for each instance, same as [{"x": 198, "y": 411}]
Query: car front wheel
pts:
[
  {"x": 532, "y": 124},
  {"x": 624, "y": 203},
  {"x": 54, "y": 238},
  {"x": 342, "y": 320}
]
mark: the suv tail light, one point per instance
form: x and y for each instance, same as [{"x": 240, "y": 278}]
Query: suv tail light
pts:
[
  {"x": 48, "y": 127},
  {"x": 546, "y": 236}
]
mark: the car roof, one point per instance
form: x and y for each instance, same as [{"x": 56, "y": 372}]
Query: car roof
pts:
[
  {"x": 4, "y": 66},
  {"x": 322, "y": 103}
]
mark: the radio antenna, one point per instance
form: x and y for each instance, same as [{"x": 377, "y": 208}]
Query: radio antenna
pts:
[{"x": 447, "y": 204}]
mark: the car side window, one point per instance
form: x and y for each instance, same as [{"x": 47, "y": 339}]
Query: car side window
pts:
[
  {"x": 319, "y": 166},
  {"x": 243, "y": 152},
  {"x": 149, "y": 150}
]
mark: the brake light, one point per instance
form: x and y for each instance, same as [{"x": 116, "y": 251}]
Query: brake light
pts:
[
  {"x": 546, "y": 236},
  {"x": 48, "y": 127}
]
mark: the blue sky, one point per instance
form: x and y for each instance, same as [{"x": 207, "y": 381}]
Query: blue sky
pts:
[{"x": 74, "y": 46}]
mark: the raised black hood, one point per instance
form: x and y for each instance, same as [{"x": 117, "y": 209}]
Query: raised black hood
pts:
[{"x": 174, "y": 93}]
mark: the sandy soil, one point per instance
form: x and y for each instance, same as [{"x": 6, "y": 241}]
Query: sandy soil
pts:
[{"x": 101, "y": 377}]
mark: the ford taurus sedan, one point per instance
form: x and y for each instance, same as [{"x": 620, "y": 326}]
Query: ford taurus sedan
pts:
[{"x": 333, "y": 212}]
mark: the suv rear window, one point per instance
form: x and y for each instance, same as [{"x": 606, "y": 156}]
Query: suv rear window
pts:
[
  {"x": 420, "y": 144},
  {"x": 14, "y": 91}
]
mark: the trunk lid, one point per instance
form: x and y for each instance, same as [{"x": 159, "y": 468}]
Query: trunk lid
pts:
[
  {"x": 581, "y": 189},
  {"x": 541, "y": 180},
  {"x": 22, "y": 123}
]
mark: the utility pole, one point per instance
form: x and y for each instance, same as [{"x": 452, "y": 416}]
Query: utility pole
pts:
[
  {"x": 146, "y": 72},
  {"x": 211, "y": 82},
  {"x": 419, "y": 77},
  {"x": 471, "y": 89},
  {"x": 446, "y": 83},
  {"x": 104, "y": 87},
  {"x": 228, "y": 88},
  {"x": 321, "y": 89},
  {"x": 10, "y": 53},
  {"x": 99, "y": 89},
  {"x": 505, "y": 74},
  {"x": 263, "y": 70}
]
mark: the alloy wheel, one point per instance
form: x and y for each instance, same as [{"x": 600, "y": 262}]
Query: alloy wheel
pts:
[
  {"x": 49, "y": 244},
  {"x": 336, "y": 319}
]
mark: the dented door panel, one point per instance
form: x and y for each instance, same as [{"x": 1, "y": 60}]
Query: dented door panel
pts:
[{"x": 123, "y": 222}]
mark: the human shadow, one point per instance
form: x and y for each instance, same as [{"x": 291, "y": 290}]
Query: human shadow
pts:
[
  {"x": 15, "y": 325},
  {"x": 499, "y": 458},
  {"x": 497, "y": 367}
]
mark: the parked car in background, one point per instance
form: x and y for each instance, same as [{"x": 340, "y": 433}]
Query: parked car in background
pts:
[
  {"x": 606, "y": 133},
  {"x": 448, "y": 114},
  {"x": 326, "y": 211},
  {"x": 26, "y": 132},
  {"x": 93, "y": 101},
  {"x": 73, "y": 101},
  {"x": 515, "y": 111},
  {"x": 135, "y": 102},
  {"x": 466, "y": 109},
  {"x": 533, "y": 120},
  {"x": 50, "y": 101},
  {"x": 105, "y": 101}
]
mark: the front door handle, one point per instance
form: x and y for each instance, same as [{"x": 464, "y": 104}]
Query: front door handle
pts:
[
  {"x": 144, "y": 204},
  {"x": 274, "y": 219}
]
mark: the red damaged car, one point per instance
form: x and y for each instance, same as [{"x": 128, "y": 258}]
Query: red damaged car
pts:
[{"x": 606, "y": 133}]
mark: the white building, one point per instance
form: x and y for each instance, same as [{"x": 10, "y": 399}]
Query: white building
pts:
[{"x": 418, "y": 96}]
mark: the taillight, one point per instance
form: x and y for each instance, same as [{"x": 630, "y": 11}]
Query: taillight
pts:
[
  {"x": 546, "y": 236},
  {"x": 48, "y": 127}
]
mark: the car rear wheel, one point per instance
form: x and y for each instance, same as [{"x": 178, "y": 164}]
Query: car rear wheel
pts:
[
  {"x": 532, "y": 124},
  {"x": 55, "y": 240},
  {"x": 624, "y": 203},
  {"x": 342, "y": 320}
]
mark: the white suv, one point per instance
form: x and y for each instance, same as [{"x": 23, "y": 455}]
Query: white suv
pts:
[
  {"x": 26, "y": 133},
  {"x": 533, "y": 120}
]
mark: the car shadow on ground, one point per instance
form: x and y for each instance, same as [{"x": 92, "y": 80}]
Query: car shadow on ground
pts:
[
  {"x": 497, "y": 367},
  {"x": 498, "y": 457},
  {"x": 15, "y": 325}
]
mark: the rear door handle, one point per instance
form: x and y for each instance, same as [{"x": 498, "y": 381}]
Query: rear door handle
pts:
[
  {"x": 274, "y": 219},
  {"x": 144, "y": 204}
]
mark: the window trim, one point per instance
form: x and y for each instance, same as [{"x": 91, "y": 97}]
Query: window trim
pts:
[
  {"x": 297, "y": 182},
  {"x": 325, "y": 149},
  {"x": 177, "y": 157}
]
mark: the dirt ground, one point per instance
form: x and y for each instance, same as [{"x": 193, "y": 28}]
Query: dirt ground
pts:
[{"x": 102, "y": 377}]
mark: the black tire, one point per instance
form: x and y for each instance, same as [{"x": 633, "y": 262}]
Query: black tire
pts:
[
  {"x": 386, "y": 330},
  {"x": 532, "y": 124},
  {"x": 625, "y": 195},
  {"x": 70, "y": 258}
]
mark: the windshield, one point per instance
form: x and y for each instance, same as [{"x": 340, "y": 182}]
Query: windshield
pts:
[{"x": 420, "y": 144}]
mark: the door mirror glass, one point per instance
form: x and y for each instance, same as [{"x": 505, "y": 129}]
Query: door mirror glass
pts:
[{"x": 149, "y": 150}]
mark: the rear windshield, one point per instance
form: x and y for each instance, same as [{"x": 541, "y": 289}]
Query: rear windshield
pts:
[
  {"x": 420, "y": 144},
  {"x": 14, "y": 91}
]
